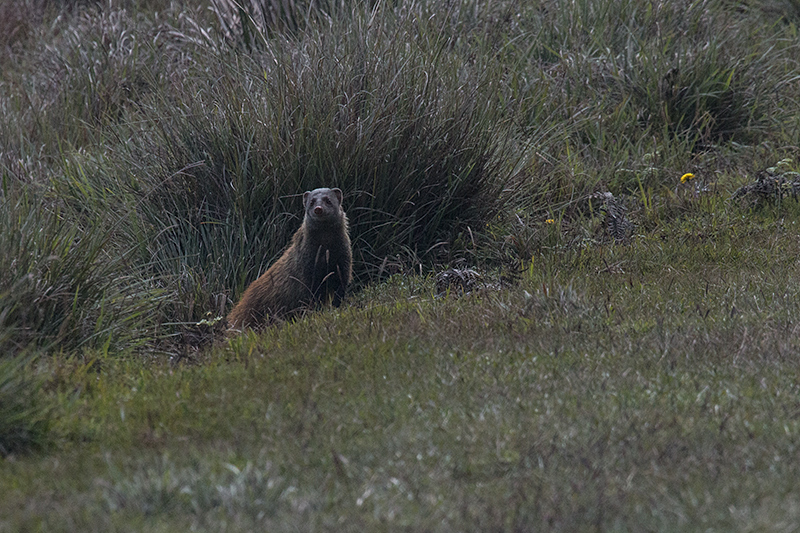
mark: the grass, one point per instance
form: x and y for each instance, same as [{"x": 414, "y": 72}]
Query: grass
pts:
[
  {"x": 24, "y": 416},
  {"x": 586, "y": 398},
  {"x": 633, "y": 369}
]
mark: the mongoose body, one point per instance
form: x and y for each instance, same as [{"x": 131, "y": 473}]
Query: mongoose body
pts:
[{"x": 316, "y": 268}]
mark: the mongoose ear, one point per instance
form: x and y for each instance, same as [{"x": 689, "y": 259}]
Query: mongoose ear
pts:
[
  {"x": 305, "y": 198},
  {"x": 338, "y": 193}
]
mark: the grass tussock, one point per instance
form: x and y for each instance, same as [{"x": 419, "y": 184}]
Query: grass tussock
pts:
[{"x": 62, "y": 284}]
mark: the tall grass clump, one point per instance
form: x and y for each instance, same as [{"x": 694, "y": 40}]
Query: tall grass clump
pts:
[
  {"x": 661, "y": 83},
  {"x": 101, "y": 63},
  {"x": 62, "y": 282},
  {"x": 216, "y": 166},
  {"x": 72, "y": 98},
  {"x": 703, "y": 79}
]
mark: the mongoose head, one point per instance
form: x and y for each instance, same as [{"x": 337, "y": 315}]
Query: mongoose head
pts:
[{"x": 323, "y": 206}]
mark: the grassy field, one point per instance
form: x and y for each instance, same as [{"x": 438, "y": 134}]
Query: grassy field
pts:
[{"x": 624, "y": 176}]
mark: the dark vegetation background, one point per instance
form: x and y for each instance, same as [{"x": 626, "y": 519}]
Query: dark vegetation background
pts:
[{"x": 153, "y": 155}]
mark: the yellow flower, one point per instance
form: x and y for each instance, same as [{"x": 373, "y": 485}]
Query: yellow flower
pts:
[
  {"x": 686, "y": 177},
  {"x": 549, "y": 221}
]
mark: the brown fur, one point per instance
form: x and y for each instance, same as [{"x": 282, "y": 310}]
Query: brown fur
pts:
[{"x": 316, "y": 268}]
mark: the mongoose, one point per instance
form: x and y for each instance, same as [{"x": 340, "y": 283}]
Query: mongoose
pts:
[{"x": 316, "y": 268}]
